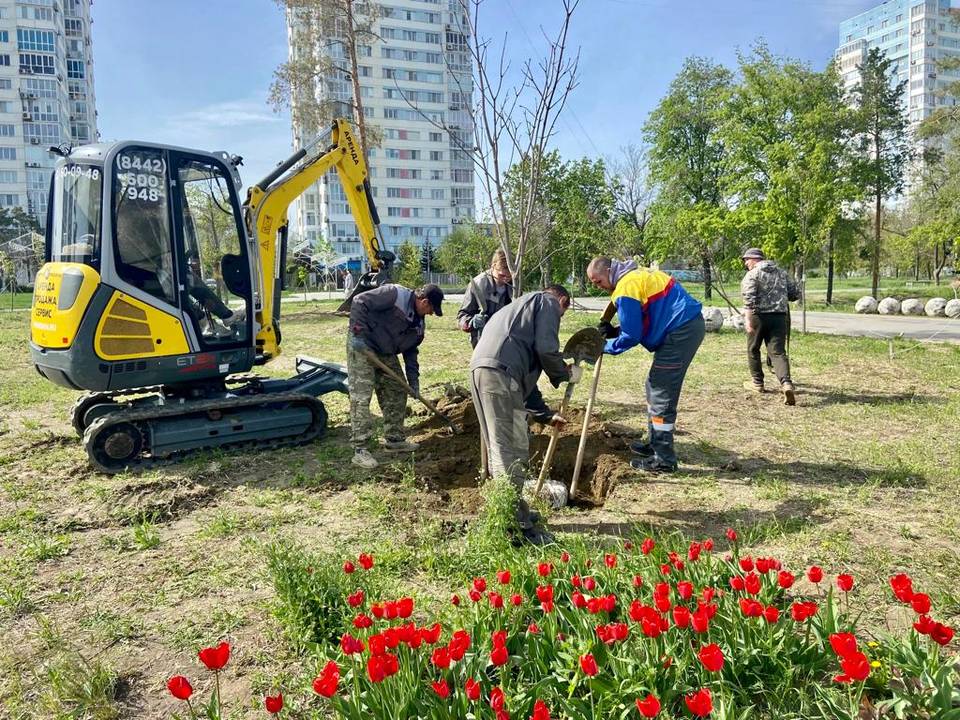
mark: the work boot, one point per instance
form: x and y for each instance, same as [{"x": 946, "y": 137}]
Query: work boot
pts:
[
  {"x": 526, "y": 516},
  {"x": 400, "y": 445},
  {"x": 754, "y": 386},
  {"x": 652, "y": 464},
  {"x": 363, "y": 458},
  {"x": 643, "y": 449},
  {"x": 538, "y": 535},
  {"x": 789, "y": 393}
]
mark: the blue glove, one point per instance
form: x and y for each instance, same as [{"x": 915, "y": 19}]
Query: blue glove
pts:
[
  {"x": 478, "y": 321},
  {"x": 358, "y": 343}
]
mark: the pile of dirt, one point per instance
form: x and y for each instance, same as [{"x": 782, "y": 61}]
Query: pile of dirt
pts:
[{"x": 446, "y": 460}]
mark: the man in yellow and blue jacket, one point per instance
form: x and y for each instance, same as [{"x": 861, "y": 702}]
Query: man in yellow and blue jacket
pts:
[{"x": 654, "y": 311}]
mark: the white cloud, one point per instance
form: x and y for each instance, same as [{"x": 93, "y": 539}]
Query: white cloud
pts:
[{"x": 232, "y": 113}]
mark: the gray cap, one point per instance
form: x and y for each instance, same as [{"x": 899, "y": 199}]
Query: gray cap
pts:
[{"x": 753, "y": 254}]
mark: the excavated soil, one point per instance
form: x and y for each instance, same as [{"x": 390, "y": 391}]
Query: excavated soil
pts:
[{"x": 448, "y": 460}]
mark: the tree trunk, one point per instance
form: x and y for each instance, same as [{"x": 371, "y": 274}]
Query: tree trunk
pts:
[
  {"x": 707, "y": 278},
  {"x": 830, "y": 271},
  {"x": 355, "y": 78},
  {"x": 937, "y": 264},
  {"x": 875, "y": 280}
]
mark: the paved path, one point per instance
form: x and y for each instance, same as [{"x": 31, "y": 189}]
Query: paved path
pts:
[{"x": 878, "y": 326}]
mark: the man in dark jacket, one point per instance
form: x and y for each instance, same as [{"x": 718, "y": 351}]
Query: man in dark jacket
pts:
[
  {"x": 767, "y": 291},
  {"x": 487, "y": 293},
  {"x": 519, "y": 342},
  {"x": 387, "y": 321}
]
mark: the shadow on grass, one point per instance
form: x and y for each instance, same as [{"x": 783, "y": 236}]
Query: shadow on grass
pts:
[{"x": 816, "y": 396}]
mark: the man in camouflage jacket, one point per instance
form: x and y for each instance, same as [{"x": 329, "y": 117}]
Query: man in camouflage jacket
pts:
[{"x": 767, "y": 291}]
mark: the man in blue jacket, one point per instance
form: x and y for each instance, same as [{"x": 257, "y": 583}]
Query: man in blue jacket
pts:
[{"x": 656, "y": 312}]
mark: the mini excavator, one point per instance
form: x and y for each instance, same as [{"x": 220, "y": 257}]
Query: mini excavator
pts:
[{"x": 160, "y": 292}]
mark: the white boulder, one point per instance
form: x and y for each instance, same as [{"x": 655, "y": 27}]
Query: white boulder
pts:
[
  {"x": 867, "y": 305},
  {"x": 935, "y": 307},
  {"x": 554, "y": 493},
  {"x": 889, "y": 306},
  {"x": 911, "y": 306},
  {"x": 952, "y": 309},
  {"x": 735, "y": 322},
  {"x": 713, "y": 318}
]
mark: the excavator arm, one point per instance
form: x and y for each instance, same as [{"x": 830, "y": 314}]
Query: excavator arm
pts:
[{"x": 265, "y": 214}]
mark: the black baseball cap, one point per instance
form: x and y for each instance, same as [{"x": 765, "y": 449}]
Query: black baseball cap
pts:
[{"x": 434, "y": 294}]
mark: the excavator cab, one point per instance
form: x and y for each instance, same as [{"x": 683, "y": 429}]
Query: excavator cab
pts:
[{"x": 148, "y": 278}]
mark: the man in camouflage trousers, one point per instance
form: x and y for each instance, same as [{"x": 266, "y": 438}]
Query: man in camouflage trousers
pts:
[
  {"x": 767, "y": 291},
  {"x": 386, "y": 321}
]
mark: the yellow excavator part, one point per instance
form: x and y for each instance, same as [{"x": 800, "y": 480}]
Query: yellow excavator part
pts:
[
  {"x": 130, "y": 329},
  {"x": 61, "y": 293}
]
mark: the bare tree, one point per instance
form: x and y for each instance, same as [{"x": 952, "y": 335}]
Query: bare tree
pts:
[
  {"x": 325, "y": 39},
  {"x": 631, "y": 188}
]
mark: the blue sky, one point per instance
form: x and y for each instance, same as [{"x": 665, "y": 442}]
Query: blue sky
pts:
[{"x": 197, "y": 72}]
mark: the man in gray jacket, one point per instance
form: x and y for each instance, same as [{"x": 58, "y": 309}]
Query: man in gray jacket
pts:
[
  {"x": 487, "y": 293},
  {"x": 520, "y": 341},
  {"x": 767, "y": 291}
]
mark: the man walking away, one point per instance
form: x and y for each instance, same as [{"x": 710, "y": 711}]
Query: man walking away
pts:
[
  {"x": 347, "y": 284},
  {"x": 487, "y": 292},
  {"x": 387, "y": 321},
  {"x": 519, "y": 343},
  {"x": 767, "y": 291},
  {"x": 656, "y": 312}
]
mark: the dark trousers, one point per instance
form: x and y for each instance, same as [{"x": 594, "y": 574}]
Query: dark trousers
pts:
[
  {"x": 771, "y": 330},
  {"x": 670, "y": 363}
]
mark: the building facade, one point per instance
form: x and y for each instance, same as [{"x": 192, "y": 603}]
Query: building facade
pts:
[
  {"x": 46, "y": 94},
  {"x": 915, "y": 35},
  {"x": 416, "y": 88}
]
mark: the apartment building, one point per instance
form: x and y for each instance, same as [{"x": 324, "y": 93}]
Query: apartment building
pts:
[
  {"x": 418, "y": 77},
  {"x": 46, "y": 94}
]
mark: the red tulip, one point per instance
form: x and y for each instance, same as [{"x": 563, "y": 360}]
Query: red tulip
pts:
[
  {"x": 497, "y": 699},
  {"x": 902, "y": 587},
  {"x": 855, "y": 667},
  {"x": 377, "y": 644},
  {"x": 565, "y": 557},
  {"x": 215, "y": 657},
  {"x": 751, "y": 583},
  {"x": 348, "y": 567},
  {"x": 472, "y": 689},
  {"x": 503, "y": 577},
  {"x": 646, "y": 547},
  {"x": 924, "y": 625},
  {"x": 455, "y": 600},
  {"x": 350, "y": 645},
  {"x": 362, "y": 621},
  {"x": 365, "y": 560},
  {"x": 627, "y": 545},
  {"x": 941, "y": 634},
  {"x": 751, "y": 608},
  {"x": 681, "y": 616},
  {"x": 746, "y": 563},
  {"x": 180, "y": 687},
  {"x": 685, "y": 589},
  {"x": 475, "y": 595},
  {"x": 540, "y": 711},
  {"x": 459, "y": 644},
  {"x": 785, "y": 579},
  {"x": 496, "y": 600},
  {"x": 920, "y": 603},
  {"x": 731, "y": 535},
  {"x": 440, "y": 657},
  {"x": 843, "y": 644},
  {"x": 533, "y": 629},
  {"x": 356, "y": 599},
  {"x": 845, "y": 582},
  {"x": 693, "y": 552},
  {"x": 764, "y": 565},
  {"x": 544, "y": 569},
  {"x": 700, "y": 621},
  {"x": 712, "y": 657},
  {"x": 637, "y": 581},
  {"x": 589, "y": 665},
  {"x": 516, "y": 600},
  {"x": 499, "y": 655},
  {"x": 815, "y": 574},
  {"x": 480, "y": 584},
  {"x": 610, "y": 560},
  {"x": 708, "y": 544},
  {"x": 441, "y": 688},
  {"x": 576, "y": 581},
  {"x": 498, "y": 638},
  {"x": 273, "y": 703},
  {"x": 325, "y": 684},
  {"x": 649, "y": 706},
  {"x": 699, "y": 703},
  {"x": 801, "y": 611},
  {"x": 665, "y": 569},
  {"x": 771, "y": 614},
  {"x": 589, "y": 584},
  {"x": 578, "y": 599},
  {"x": 405, "y": 607}
]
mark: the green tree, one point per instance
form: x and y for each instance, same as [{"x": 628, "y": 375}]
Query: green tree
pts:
[
  {"x": 687, "y": 159},
  {"x": 882, "y": 138},
  {"x": 467, "y": 250},
  {"x": 408, "y": 262},
  {"x": 428, "y": 258},
  {"x": 15, "y": 221}
]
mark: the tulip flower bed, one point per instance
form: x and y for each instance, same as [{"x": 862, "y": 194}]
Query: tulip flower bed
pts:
[{"x": 642, "y": 631}]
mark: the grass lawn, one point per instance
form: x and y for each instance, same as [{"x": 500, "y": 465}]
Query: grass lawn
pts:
[{"x": 109, "y": 584}]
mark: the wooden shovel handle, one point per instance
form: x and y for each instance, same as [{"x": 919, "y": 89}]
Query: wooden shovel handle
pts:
[{"x": 583, "y": 432}]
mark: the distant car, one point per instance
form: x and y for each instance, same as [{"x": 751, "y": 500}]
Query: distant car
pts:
[{"x": 686, "y": 275}]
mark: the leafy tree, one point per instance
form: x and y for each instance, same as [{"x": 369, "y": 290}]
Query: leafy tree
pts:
[
  {"x": 15, "y": 221},
  {"x": 428, "y": 258},
  {"x": 408, "y": 261},
  {"x": 882, "y": 138},
  {"x": 687, "y": 158},
  {"x": 467, "y": 250}
]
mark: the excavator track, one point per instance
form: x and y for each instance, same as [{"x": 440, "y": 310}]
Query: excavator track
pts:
[{"x": 124, "y": 439}]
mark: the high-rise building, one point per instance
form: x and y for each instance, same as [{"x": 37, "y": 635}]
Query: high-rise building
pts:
[
  {"x": 416, "y": 77},
  {"x": 46, "y": 94},
  {"x": 915, "y": 35}
]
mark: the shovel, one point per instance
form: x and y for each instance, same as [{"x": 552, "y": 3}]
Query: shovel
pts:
[
  {"x": 585, "y": 345},
  {"x": 372, "y": 357}
]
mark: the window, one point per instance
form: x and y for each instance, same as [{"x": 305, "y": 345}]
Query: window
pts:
[
  {"x": 436, "y": 137},
  {"x": 4, "y": 36},
  {"x": 7, "y": 130},
  {"x": 394, "y": 154},
  {"x": 436, "y": 174},
  {"x": 75, "y": 69},
  {"x": 35, "y": 13},
  {"x": 437, "y": 194},
  {"x": 404, "y": 173},
  {"x": 142, "y": 239},
  {"x": 38, "y": 40},
  {"x": 409, "y": 193},
  {"x": 6, "y": 84},
  {"x": 37, "y": 64},
  {"x": 40, "y": 87},
  {"x": 461, "y": 176},
  {"x": 73, "y": 27},
  {"x": 439, "y": 212},
  {"x": 436, "y": 155},
  {"x": 42, "y": 110},
  {"x": 6, "y": 106},
  {"x": 8, "y": 153},
  {"x": 8, "y": 176},
  {"x": 41, "y": 132},
  {"x": 424, "y": 76},
  {"x": 5, "y": 60},
  {"x": 397, "y": 134},
  {"x": 9, "y": 200}
]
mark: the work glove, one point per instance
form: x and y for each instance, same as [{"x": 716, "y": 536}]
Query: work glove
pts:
[
  {"x": 576, "y": 373},
  {"x": 415, "y": 386},
  {"x": 478, "y": 321},
  {"x": 558, "y": 421},
  {"x": 608, "y": 330},
  {"x": 358, "y": 343}
]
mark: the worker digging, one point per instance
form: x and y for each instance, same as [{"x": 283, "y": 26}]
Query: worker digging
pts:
[
  {"x": 385, "y": 322},
  {"x": 654, "y": 311},
  {"x": 767, "y": 291},
  {"x": 519, "y": 343}
]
